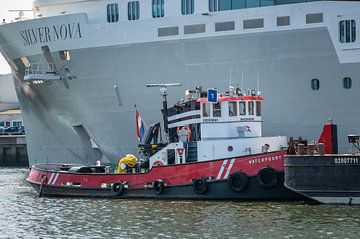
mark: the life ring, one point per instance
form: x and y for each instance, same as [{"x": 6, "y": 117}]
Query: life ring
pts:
[
  {"x": 159, "y": 187},
  {"x": 117, "y": 189},
  {"x": 200, "y": 186},
  {"x": 238, "y": 181},
  {"x": 267, "y": 177}
]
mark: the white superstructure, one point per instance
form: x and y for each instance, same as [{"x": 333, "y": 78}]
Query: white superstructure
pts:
[{"x": 81, "y": 66}]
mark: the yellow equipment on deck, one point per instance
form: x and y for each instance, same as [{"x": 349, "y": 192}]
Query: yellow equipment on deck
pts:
[{"x": 129, "y": 161}]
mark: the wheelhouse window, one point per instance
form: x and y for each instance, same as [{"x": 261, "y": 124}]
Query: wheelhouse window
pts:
[
  {"x": 133, "y": 10},
  {"x": 242, "y": 108},
  {"x": 232, "y": 108},
  {"x": 217, "y": 110},
  {"x": 158, "y": 8},
  {"x": 347, "y": 82},
  {"x": 113, "y": 12},
  {"x": 347, "y": 31},
  {"x": 187, "y": 7},
  {"x": 315, "y": 84},
  {"x": 206, "y": 109},
  {"x": 258, "y": 108},
  {"x": 251, "y": 108}
]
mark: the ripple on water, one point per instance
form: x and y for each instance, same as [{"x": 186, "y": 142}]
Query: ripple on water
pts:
[{"x": 24, "y": 214}]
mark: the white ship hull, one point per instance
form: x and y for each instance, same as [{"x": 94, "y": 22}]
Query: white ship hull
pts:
[{"x": 92, "y": 117}]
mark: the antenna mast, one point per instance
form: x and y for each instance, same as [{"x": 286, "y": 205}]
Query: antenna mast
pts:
[{"x": 163, "y": 90}]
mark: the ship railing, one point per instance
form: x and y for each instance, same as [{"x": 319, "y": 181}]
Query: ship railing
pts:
[{"x": 38, "y": 72}]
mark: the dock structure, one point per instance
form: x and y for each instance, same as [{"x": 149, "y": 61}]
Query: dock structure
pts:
[{"x": 13, "y": 151}]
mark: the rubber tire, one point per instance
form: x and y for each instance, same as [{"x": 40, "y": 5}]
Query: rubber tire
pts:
[
  {"x": 238, "y": 181},
  {"x": 200, "y": 186},
  {"x": 159, "y": 187},
  {"x": 117, "y": 189},
  {"x": 267, "y": 177}
]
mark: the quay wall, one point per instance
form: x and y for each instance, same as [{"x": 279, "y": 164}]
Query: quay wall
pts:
[{"x": 13, "y": 151}]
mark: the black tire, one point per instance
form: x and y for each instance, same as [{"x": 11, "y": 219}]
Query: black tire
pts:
[
  {"x": 117, "y": 189},
  {"x": 267, "y": 177},
  {"x": 238, "y": 181},
  {"x": 159, "y": 187},
  {"x": 200, "y": 186}
]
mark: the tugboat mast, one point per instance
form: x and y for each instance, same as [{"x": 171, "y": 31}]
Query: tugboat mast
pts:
[{"x": 163, "y": 90}]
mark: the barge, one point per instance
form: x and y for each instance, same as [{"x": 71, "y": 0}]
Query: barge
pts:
[{"x": 325, "y": 178}]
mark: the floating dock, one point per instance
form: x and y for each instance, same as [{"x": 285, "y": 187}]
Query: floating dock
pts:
[{"x": 13, "y": 151}]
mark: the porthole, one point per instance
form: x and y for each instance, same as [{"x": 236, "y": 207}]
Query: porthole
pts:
[
  {"x": 230, "y": 148},
  {"x": 315, "y": 84},
  {"x": 347, "y": 82}
]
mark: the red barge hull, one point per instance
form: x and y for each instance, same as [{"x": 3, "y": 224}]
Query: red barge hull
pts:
[{"x": 255, "y": 177}]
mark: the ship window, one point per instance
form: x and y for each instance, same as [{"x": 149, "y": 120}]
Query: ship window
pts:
[
  {"x": 206, "y": 109},
  {"x": 242, "y": 108},
  {"x": 187, "y": 7},
  {"x": 223, "y": 5},
  {"x": 265, "y": 3},
  {"x": 252, "y": 3},
  {"x": 158, "y": 8},
  {"x": 16, "y": 123},
  {"x": 232, "y": 108},
  {"x": 251, "y": 108},
  {"x": 347, "y": 31},
  {"x": 113, "y": 12},
  {"x": 217, "y": 110},
  {"x": 258, "y": 108},
  {"x": 347, "y": 82},
  {"x": 133, "y": 10},
  {"x": 64, "y": 55},
  {"x": 315, "y": 84}
]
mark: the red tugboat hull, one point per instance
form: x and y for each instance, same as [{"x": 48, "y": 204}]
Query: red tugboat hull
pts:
[{"x": 254, "y": 177}]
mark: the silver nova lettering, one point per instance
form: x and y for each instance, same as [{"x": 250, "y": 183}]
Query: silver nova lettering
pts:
[{"x": 51, "y": 34}]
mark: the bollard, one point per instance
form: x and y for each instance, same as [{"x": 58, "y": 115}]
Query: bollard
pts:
[
  {"x": 321, "y": 149},
  {"x": 311, "y": 149},
  {"x": 301, "y": 149}
]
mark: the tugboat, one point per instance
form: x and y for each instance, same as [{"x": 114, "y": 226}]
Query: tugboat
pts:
[
  {"x": 214, "y": 150},
  {"x": 321, "y": 174}
]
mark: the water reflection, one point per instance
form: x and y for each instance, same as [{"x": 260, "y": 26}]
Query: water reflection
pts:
[{"x": 23, "y": 214}]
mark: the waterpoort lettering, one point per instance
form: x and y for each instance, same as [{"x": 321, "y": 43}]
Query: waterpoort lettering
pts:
[{"x": 51, "y": 34}]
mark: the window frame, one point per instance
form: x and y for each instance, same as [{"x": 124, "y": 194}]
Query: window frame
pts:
[
  {"x": 243, "y": 103},
  {"x": 216, "y": 109},
  {"x": 258, "y": 108},
  {"x": 156, "y": 11},
  {"x": 251, "y": 108},
  {"x": 112, "y": 10},
  {"x": 347, "y": 83},
  {"x": 133, "y": 10},
  {"x": 206, "y": 108},
  {"x": 185, "y": 9},
  {"x": 234, "y": 108},
  {"x": 347, "y": 31},
  {"x": 315, "y": 87}
]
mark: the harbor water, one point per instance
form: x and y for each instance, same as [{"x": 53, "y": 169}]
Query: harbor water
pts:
[{"x": 24, "y": 215}]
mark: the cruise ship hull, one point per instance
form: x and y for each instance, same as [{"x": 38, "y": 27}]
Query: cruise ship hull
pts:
[{"x": 92, "y": 116}]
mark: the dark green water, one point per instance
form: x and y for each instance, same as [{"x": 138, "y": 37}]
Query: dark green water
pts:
[{"x": 24, "y": 215}]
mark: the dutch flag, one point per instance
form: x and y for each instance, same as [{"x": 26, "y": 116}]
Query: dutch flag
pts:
[{"x": 140, "y": 128}]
